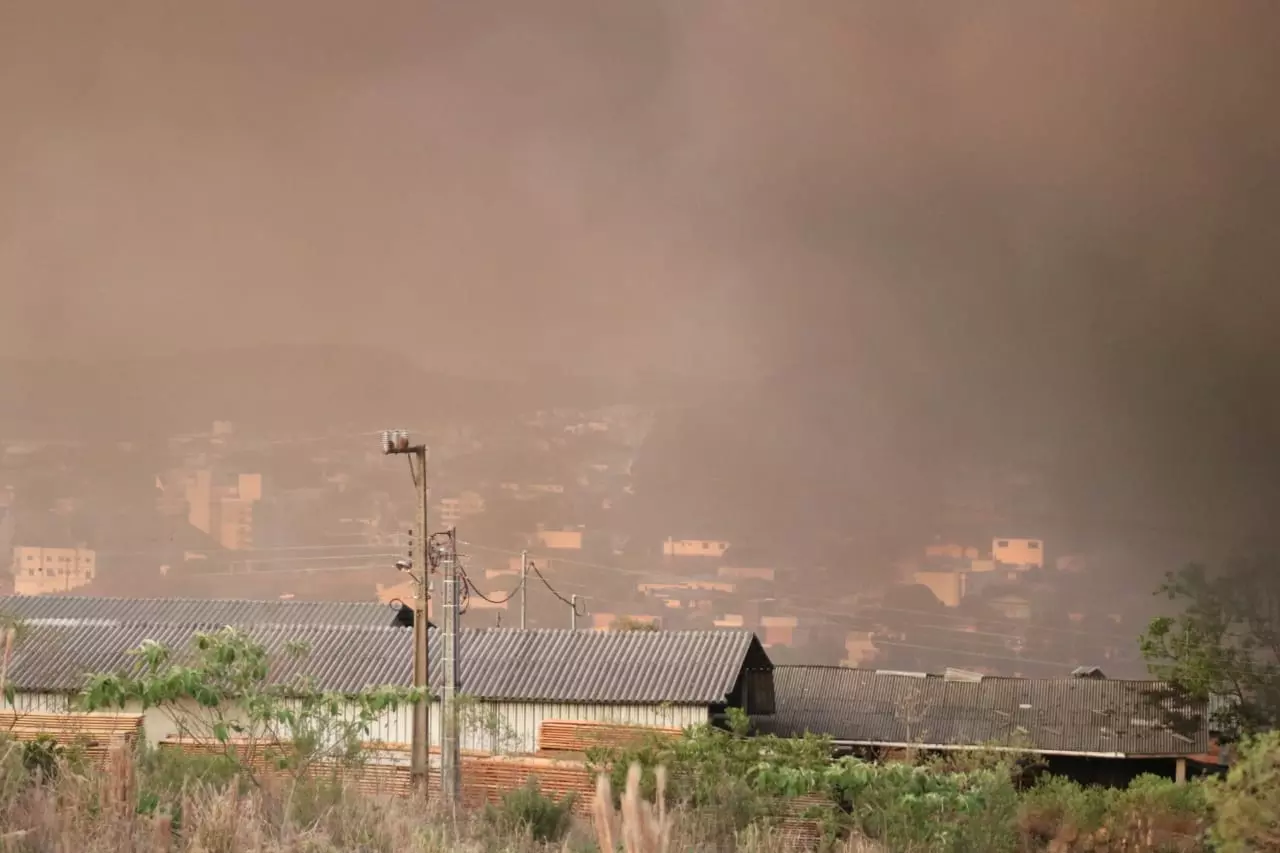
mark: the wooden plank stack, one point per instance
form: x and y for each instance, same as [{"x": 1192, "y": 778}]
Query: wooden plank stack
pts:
[
  {"x": 93, "y": 734},
  {"x": 577, "y": 736},
  {"x": 796, "y": 831},
  {"x": 487, "y": 778}
]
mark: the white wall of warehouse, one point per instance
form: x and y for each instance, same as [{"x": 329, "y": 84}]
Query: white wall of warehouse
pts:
[{"x": 509, "y": 727}]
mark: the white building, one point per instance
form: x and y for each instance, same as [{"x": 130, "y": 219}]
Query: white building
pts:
[
  {"x": 512, "y": 680},
  {"x": 39, "y": 571}
]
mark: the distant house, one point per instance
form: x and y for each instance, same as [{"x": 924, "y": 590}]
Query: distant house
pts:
[
  {"x": 658, "y": 678},
  {"x": 39, "y": 571},
  {"x": 567, "y": 540},
  {"x": 779, "y": 630},
  {"x": 1024, "y": 553},
  {"x": 1095, "y": 728},
  {"x": 694, "y": 547}
]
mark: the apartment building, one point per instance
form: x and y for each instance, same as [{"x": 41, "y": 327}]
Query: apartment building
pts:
[{"x": 40, "y": 571}]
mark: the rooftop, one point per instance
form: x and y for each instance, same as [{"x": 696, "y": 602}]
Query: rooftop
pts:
[
  {"x": 1065, "y": 716},
  {"x": 55, "y": 655},
  {"x": 71, "y": 610}
]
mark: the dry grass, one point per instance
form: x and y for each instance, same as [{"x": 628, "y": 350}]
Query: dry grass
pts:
[
  {"x": 128, "y": 805},
  {"x": 96, "y": 810}
]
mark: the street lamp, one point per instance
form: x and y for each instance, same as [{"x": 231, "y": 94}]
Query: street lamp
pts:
[{"x": 397, "y": 442}]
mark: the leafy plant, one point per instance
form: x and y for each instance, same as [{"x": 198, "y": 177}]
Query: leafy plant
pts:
[
  {"x": 220, "y": 695},
  {"x": 1246, "y": 803},
  {"x": 1225, "y": 644},
  {"x": 42, "y": 757},
  {"x": 528, "y": 810}
]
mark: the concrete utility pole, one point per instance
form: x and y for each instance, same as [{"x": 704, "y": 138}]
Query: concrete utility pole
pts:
[
  {"x": 524, "y": 589},
  {"x": 450, "y": 758},
  {"x": 573, "y": 612},
  {"x": 397, "y": 442}
]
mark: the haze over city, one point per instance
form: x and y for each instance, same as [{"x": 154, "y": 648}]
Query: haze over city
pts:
[{"x": 843, "y": 254}]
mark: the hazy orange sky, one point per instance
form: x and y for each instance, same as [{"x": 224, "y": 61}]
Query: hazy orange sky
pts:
[
  {"x": 715, "y": 183},
  {"x": 945, "y": 216}
]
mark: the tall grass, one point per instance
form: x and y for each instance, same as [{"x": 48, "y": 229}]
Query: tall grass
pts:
[{"x": 166, "y": 803}]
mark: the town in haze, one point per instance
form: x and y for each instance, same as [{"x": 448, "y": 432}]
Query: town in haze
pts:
[
  {"x": 744, "y": 426},
  {"x": 228, "y": 511}
]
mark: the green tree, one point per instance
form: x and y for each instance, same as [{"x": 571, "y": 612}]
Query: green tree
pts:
[
  {"x": 220, "y": 693},
  {"x": 1224, "y": 645},
  {"x": 1246, "y": 803}
]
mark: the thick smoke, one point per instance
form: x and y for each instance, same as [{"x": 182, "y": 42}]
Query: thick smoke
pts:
[{"x": 954, "y": 225}]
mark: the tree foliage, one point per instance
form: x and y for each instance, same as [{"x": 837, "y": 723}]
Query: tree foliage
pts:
[
  {"x": 1225, "y": 644},
  {"x": 1246, "y": 803},
  {"x": 221, "y": 692}
]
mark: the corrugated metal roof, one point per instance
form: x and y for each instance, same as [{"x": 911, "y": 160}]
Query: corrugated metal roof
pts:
[
  {"x": 193, "y": 611},
  {"x": 681, "y": 667},
  {"x": 58, "y": 658},
  {"x": 1069, "y": 715},
  {"x": 689, "y": 667}
]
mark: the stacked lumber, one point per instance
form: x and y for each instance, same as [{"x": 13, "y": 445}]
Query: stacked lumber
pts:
[
  {"x": 91, "y": 733},
  {"x": 578, "y": 736},
  {"x": 376, "y": 777},
  {"x": 794, "y": 830},
  {"x": 253, "y": 754},
  {"x": 487, "y": 778}
]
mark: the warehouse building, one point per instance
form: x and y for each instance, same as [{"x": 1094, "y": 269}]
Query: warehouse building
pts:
[
  {"x": 512, "y": 681},
  {"x": 1087, "y": 726}
]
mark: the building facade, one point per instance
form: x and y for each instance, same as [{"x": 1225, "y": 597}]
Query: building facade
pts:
[{"x": 41, "y": 571}]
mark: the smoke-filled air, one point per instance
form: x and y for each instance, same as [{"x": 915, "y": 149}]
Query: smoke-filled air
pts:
[{"x": 906, "y": 335}]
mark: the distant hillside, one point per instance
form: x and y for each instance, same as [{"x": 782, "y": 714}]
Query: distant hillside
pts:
[{"x": 283, "y": 388}]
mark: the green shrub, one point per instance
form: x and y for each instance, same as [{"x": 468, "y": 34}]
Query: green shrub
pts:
[
  {"x": 528, "y": 810},
  {"x": 1153, "y": 811},
  {"x": 43, "y": 757},
  {"x": 1246, "y": 803},
  {"x": 915, "y": 808},
  {"x": 1058, "y": 808}
]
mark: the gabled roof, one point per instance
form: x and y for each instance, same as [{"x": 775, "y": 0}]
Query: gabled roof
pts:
[
  {"x": 69, "y": 609},
  {"x": 678, "y": 667},
  {"x": 1098, "y": 717}
]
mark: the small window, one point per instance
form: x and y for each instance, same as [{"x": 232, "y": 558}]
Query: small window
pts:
[
  {"x": 1033, "y": 545},
  {"x": 1003, "y": 543},
  {"x": 706, "y": 546}
]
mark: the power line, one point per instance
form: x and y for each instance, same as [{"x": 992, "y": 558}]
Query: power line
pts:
[
  {"x": 553, "y": 590},
  {"x": 470, "y": 585}
]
